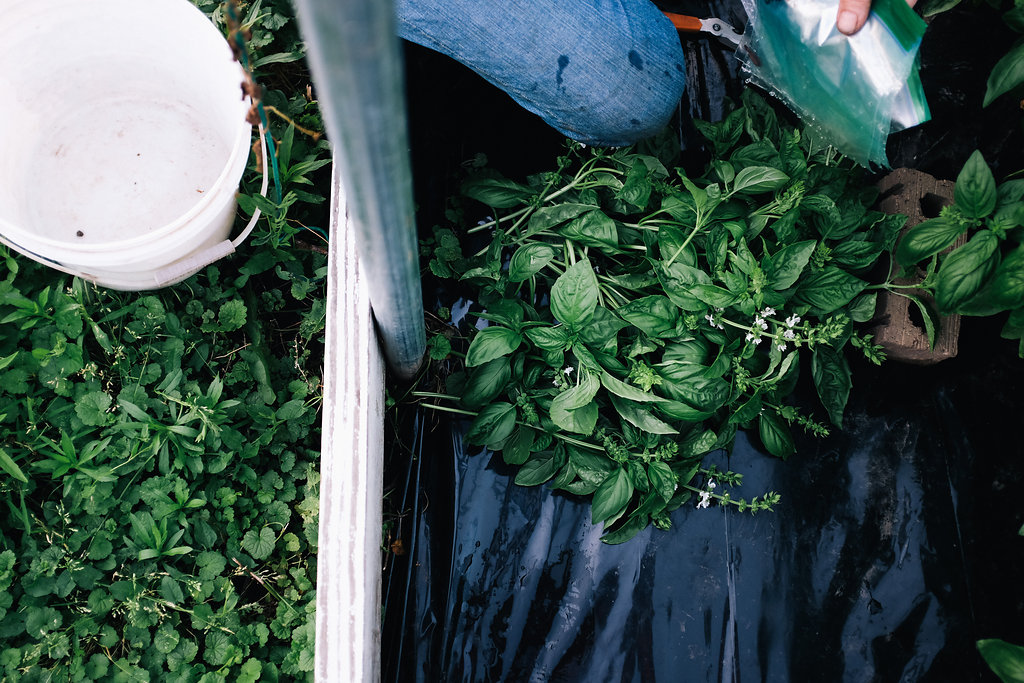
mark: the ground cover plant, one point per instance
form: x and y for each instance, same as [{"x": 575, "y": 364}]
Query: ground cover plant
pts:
[
  {"x": 159, "y": 451},
  {"x": 630, "y": 316}
]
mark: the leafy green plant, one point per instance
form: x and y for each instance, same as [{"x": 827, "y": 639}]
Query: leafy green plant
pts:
[
  {"x": 1005, "y": 659},
  {"x": 985, "y": 275},
  {"x": 635, "y": 317},
  {"x": 159, "y": 482}
]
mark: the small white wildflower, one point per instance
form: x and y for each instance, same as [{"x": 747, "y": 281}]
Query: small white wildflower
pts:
[
  {"x": 781, "y": 347},
  {"x": 710, "y": 318},
  {"x": 792, "y": 321},
  {"x": 789, "y": 334},
  {"x": 755, "y": 341},
  {"x": 712, "y": 485},
  {"x": 720, "y": 326},
  {"x": 767, "y": 312},
  {"x": 568, "y": 370},
  {"x": 705, "y": 500},
  {"x": 750, "y": 336}
]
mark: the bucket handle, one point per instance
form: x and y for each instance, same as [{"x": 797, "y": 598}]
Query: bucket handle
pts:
[{"x": 179, "y": 270}]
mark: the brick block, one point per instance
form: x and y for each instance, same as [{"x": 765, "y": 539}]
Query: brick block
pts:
[{"x": 918, "y": 196}]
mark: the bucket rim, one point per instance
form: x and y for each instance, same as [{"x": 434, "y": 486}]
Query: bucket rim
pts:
[{"x": 222, "y": 190}]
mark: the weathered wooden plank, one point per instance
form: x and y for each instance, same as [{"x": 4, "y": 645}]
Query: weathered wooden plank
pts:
[{"x": 351, "y": 470}]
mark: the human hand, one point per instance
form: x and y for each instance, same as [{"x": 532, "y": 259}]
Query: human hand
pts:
[{"x": 853, "y": 14}]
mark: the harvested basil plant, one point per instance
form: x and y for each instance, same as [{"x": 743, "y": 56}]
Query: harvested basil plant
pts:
[{"x": 638, "y": 316}]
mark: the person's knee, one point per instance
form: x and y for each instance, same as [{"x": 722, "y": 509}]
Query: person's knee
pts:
[
  {"x": 632, "y": 103},
  {"x": 604, "y": 73}
]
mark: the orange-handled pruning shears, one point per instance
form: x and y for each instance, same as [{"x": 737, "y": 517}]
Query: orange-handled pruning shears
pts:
[{"x": 713, "y": 26}]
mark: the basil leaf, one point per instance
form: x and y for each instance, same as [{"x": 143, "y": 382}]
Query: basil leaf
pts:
[
  {"x": 1015, "y": 19},
  {"x": 1011, "y": 191},
  {"x": 928, "y": 316},
  {"x": 655, "y": 315},
  {"x": 789, "y": 262},
  {"x": 633, "y": 525},
  {"x": 565, "y": 477},
  {"x": 1007, "y": 74},
  {"x": 590, "y": 466},
  {"x": 637, "y": 473},
  {"x": 1014, "y": 327},
  {"x": 927, "y": 239},
  {"x": 602, "y": 329},
  {"x": 663, "y": 479},
  {"x": 549, "y": 216},
  {"x": 517, "y": 448},
  {"x": 592, "y": 229},
  {"x": 724, "y": 170},
  {"x": 548, "y": 338},
  {"x": 1005, "y": 659},
  {"x": 529, "y": 260},
  {"x": 574, "y": 409},
  {"x": 964, "y": 271},
  {"x": 755, "y": 179},
  {"x": 827, "y": 217},
  {"x": 678, "y": 280},
  {"x": 1007, "y": 285},
  {"x": 637, "y": 188},
  {"x": 856, "y": 255},
  {"x": 748, "y": 411},
  {"x": 762, "y": 152},
  {"x": 703, "y": 393},
  {"x": 714, "y": 295},
  {"x": 490, "y": 343},
  {"x": 829, "y": 289},
  {"x": 485, "y": 382},
  {"x": 628, "y": 391},
  {"x": 574, "y": 294},
  {"x": 724, "y": 134},
  {"x": 539, "y": 468},
  {"x": 640, "y": 418},
  {"x": 831, "y": 375},
  {"x": 581, "y": 420},
  {"x": 975, "y": 189},
  {"x": 498, "y": 193},
  {"x": 775, "y": 435},
  {"x": 862, "y": 309},
  {"x": 611, "y": 498},
  {"x": 677, "y": 410},
  {"x": 1008, "y": 216},
  {"x": 492, "y": 425},
  {"x": 579, "y": 395},
  {"x": 691, "y": 351},
  {"x": 670, "y": 243},
  {"x": 698, "y": 443}
]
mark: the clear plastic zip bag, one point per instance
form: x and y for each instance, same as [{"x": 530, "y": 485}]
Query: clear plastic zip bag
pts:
[{"x": 851, "y": 91}]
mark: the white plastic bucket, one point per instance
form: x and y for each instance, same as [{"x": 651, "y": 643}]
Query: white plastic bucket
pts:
[{"x": 122, "y": 138}]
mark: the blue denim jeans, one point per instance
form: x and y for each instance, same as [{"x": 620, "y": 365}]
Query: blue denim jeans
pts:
[{"x": 604, "y": 72}]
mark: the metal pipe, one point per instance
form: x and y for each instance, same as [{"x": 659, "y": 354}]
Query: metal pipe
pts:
[{"x": 357, "y": 69}]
